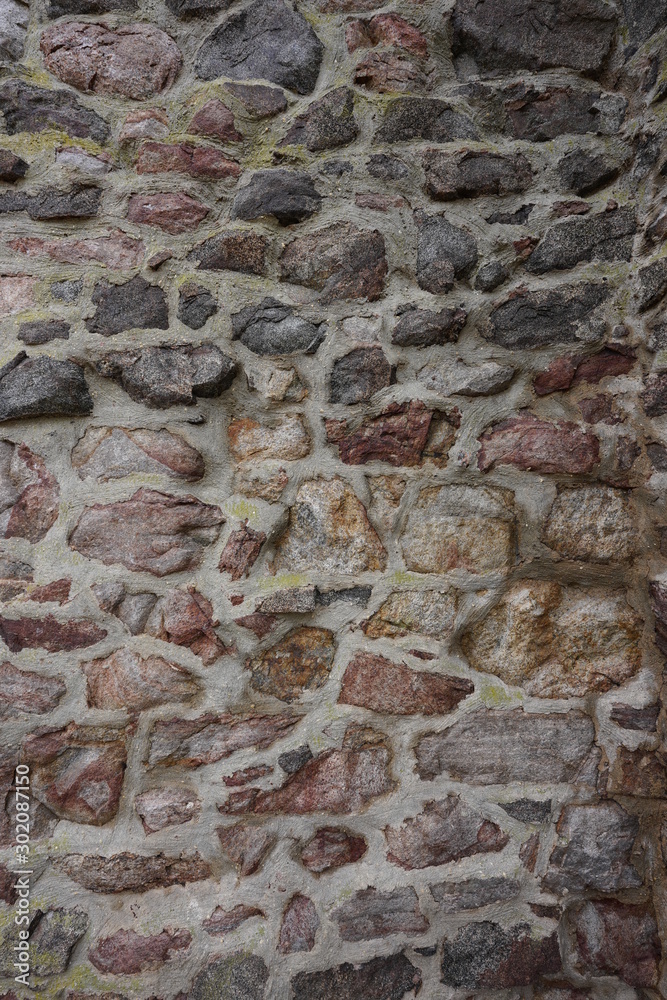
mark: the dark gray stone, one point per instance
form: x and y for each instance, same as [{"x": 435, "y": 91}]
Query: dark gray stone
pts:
[
  {"x": 77, "y": 203},
  {"x": 293, "y": 760},
  {"x": 593, "y": 850},
  {"x": 584, "y": 172},
  {"x": 197, "y": 8},
  {"x": 53, "y": 937},
  {"x": 654, "y": 396},
  {"x": 66, "y": 291},
  {"x": 287, "y": 195},
  {"x": 604, "y": 237},
  {"x": 266, "y": 40},
  {"x": 517, "y": 218},
  {"x": 167, "y": 376},
  {"x": 409, "y": 118},
  {"x": 528, "y": 810},
  {"x": 326, "y": 124},
  {"x": 387, "y": 168},
  {"x": 537, "y": 748},
  {"x": 33, "y": 109},
  {"x": 232, "y": 250},
  {"x": 351, "y": 595},
  {"x": 652, "y": 283},
  {"x": 135, "y": 304},
  {"x": 542, "y": 114},
  {"x": 643, "y": 19},
  {"x": 273, "y": 328},
  {"x": 424, "y": 328},
  {"x": 444, "y": 252},
  {"x": 387, "y": 978},
  {"x": 472, "y": 173},
  {"x": 359, "y": 375},
  {"x": 341, "y": 261},
  {"x": 196, "y": 305},
  {"x": 238, "y": 977},
  {"x": 486, "y": 956},
  {"x": 490, "y": 276},
  {"x": 510, "y": 35},
  {"x": 12, "y": 167},
  {"x": 546, "y": 317},
  {"x": 35, "y": 387},
  {"x": 41, "y": 331},
  {"x": 473, "y": 893},
  {"x": 59, "y": 8},
  {"x": 336, "y": 168}
]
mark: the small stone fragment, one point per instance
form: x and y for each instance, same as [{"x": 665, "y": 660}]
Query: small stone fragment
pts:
[
  {"x": 215, "y": 120},
  {"x": 329, "y": 529},
  {"x": 332, "y": 847},
  {"x": 376, "y": 683},
  {"x": 547, "y": 749},
  {"x": 151, "y": 531},
  {"x": 159, "y": 808},
  {"x": 196, "y": 305},
  {"x": 127, "y": 680},
  {"x": 42, "y": 386},
  {"x": 640, "y": 773},
  {"x": 399, "y": 436},
  {"x": 185, "y": 617},
  {"x": 252, "y": 44},
  {"x": 583, "y": 172},
  {"x": 287, "y": 195},
  {"x": 293, "y": 760},
  {"x": 446, "y": 830},
  {"x": 371, "y": 914},
  {"x": 272, "y": 328},
  {"x": 43, "y": 331},
  {"x": 170, "y": 375},
  {"x": 128, "y": 953},
  {"x": 135, "y": 60},
  {"x": 12, "y": 167},
  {"x": 222, "y": 921},
  {"x": 358, "y": 375},
  {"x": 538, "y": 445},
  {"x": 299, "y": 926},
  {"x": 341, "y": 261},
  {"x": 144, "y": 123},
  {"x": 240, "y": 552},
  {"x": 485, "y": 955},
  {"x": 638, "y": 719},
  {"x": 300, "y": 662},
  {"x": 128, "y": 872},
  {"x": 245, "y": 846}
]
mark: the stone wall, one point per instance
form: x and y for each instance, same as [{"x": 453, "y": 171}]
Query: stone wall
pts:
[{"x": 332, "y": 491}]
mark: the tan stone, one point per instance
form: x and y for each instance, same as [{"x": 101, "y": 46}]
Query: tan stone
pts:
[
  {"x": 593, "y": 523},
  {"x": 459, "y": 527},
  {"x": 557, "y": 642},
  {"x": 428, "y": 612},
  {"x": 252, "y": 441}
]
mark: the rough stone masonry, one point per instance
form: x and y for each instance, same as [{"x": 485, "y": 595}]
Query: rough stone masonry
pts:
[{"x": 333, "y": 472}]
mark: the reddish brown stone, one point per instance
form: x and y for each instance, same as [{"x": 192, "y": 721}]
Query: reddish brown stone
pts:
[
  {"x": 127, "y": 680},
  {"x": 48, "y": 633},
  {"x": 222, "y": 921},
  {"x": 372, "y": 914},
  {"x": 211, "y": 737},
  {"x": 386, "y": 72},
  {"x": 151, "y": 531},
  {"x": 343, "y": 262},
  {"x": 562, "y": 209},
  {"x": 257, "y": 622},
  {"x": 174, "y": 213},
  {"x": 169, "y": 806},
  {"x": 332, "y": 847},
  {"x": 127, "y": 953},
  {"x": 446, "y": 830},
  {"x": 116, "y": 250},
  {"x": 616, "y": 939},
  {"x": 135, "y": 60},
  {"x": 215, "y": 120},
  {"x": 186, "y": 619},
  {"x": 538, "y": 445},
  {"x": 336, "y": 781},
  {"x": 8, "y": 893},
  {"x": 567, "y": 372},
  {"x": 397, "y": 436},
  {"x": 245, "y": 846},
  {"x": 299, "y": 926},
  {"x": 642, "y": 773},
  {"x": 639, "y": 719},
  {"x": 528, "y": 852},
  {"x": 556, "y": 378},
  {"x": 240, "y": 551},
  {"x": 196, "y": 161},
  {"x": 27, "y": 691},
  {"x": 57, "y": 591},
  {"x": 30, "y": 494},
  {"x": 374, "y": 682},
  {"x": 77, "y": 772},
  {"x": 132, "y": 872},
  {"x": 300, "y": 662},
  {"x": 246, "y": 774},
  {"x": 386, "y": 29},
  {"x": 378, "y": 202},
  {"x": 232, "y": 251}
]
